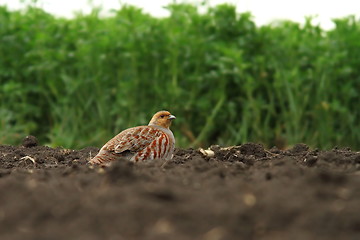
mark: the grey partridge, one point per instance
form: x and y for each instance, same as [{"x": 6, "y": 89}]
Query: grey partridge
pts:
[{"x": 142, "y": 143}]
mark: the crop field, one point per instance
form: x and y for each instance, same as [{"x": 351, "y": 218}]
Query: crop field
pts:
[
  {"x": 77, "y": 82},
  {"x": 241, "y": 192}
]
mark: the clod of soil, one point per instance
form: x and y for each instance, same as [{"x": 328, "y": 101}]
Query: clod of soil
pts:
[
  {"x": 30, "y": 141},
  {"x": 239, "y": 192}
]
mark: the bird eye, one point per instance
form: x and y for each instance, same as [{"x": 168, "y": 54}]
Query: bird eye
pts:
[{"x": 162, "y": 116}]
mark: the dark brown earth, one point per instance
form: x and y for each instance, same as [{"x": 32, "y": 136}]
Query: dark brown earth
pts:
[{"x": 243, "y": 192}]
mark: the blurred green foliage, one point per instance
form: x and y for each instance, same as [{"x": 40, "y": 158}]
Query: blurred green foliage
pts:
[{"x": 78, "y": 82}]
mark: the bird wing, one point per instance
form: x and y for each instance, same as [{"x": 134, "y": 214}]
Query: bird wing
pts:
[{"x": 132, "y": 139}]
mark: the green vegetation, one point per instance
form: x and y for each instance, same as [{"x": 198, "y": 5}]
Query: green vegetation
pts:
[{"x": 77, "y": 82}]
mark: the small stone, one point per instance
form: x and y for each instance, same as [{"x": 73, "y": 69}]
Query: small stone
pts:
[
  {"x": 249, "y": 199},
  {"x": 275, "y": 150},
  {"x": 311, "y": 161}
]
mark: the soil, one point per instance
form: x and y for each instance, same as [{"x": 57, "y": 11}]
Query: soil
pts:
[{"x": 240, "y": 192}]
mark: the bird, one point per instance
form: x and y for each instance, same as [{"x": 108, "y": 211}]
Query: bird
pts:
[{"x": 142, "y": 143}]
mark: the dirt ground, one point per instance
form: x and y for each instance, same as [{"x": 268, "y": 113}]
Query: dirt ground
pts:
[{"x": 242, "y": 192}]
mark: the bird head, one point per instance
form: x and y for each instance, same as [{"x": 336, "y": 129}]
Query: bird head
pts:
[{"x": 162, "y": 118}]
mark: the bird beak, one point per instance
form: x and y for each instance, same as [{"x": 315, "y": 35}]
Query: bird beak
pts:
[{"x": 171, "y": 117}]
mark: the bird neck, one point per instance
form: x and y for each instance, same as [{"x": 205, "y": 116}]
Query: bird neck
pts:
[{"x": 161, "y": 126}]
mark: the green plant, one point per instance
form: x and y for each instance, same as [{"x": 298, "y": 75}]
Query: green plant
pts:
[{"x": 77, "y": 82}]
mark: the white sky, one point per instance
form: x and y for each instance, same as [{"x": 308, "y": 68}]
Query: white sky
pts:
[{"x": 264, "y": 11}]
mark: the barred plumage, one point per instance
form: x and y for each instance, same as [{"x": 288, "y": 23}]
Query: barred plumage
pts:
[{"x": 155, "y": 141}]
